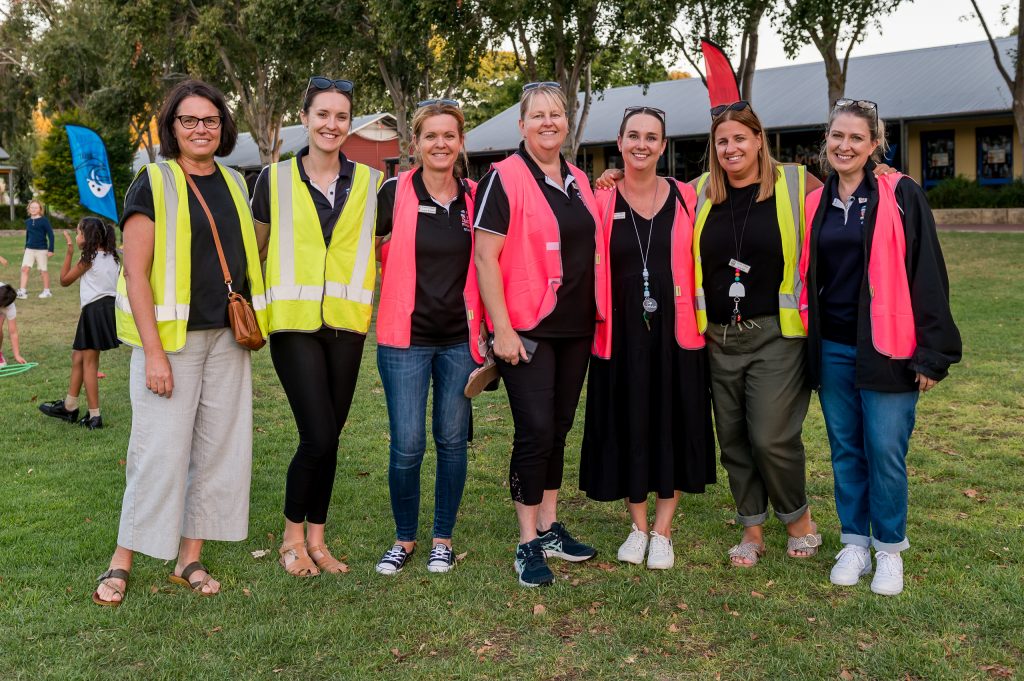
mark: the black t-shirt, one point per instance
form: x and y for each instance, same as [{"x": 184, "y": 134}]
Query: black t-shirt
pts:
[
  {"x": 443, "y": 249},
  {"x": 575, "y": 308},
  {"x": 328, "y": 207},
  {"x": 840, "y": 267},
  {"x": 209, "y": 304},
  {"x": 754, "y": 239}
]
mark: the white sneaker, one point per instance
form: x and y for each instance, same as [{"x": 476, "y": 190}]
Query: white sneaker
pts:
[
  {"x": 852, "y": 563},
  {"x": 21, "y": 293},
  {"x": 660, "y": 556},
  {"x": 888, "y": 579},
  {"x": 46, "y": 293},
  {"x": 634, "y": 548}
]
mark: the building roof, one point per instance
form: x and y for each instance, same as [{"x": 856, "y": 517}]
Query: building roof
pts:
[
  {"x": 951, "y": 80},
  {"x": 246, "y": 155},
  {"x": 3, "y": 154}
]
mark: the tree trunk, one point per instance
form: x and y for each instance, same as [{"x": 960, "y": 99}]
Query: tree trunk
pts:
[
  {"x": 748, "y": 58},
  {"x": 836, "y": 79}
]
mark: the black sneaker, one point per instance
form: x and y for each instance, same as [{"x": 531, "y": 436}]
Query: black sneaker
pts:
[
  {"x": 530, "y": 565},
  {"x": 558, "y": 543},
  {"x": 91, "y": 422},
  {"x": 56, "y": 409},
  {"x": 441, "y": 559},
  {"x": 393, "y": 560}
]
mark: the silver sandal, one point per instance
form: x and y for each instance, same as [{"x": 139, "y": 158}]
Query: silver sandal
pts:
[
  {"x": 747, "y": 550},
  {"x": 808, "y": 543}
]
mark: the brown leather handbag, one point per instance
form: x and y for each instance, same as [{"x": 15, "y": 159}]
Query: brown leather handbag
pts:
[{"x": 240, "y": 313}]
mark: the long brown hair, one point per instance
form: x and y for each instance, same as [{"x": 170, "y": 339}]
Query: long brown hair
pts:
[{"x": 766, "y": 165}]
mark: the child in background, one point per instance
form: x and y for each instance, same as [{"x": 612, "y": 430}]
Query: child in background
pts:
[
  {"x": 97, "y": 269},
  {"x": 38, "y": 248},
  {"x": 7, "y": 314}
]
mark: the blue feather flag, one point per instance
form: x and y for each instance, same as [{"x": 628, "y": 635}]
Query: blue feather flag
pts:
[{"x": 92, "y": 171}]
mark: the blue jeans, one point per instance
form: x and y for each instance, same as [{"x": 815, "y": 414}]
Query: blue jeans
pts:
[
  {"x": 406, "y": 374},
  {"x": 869, "y": 433}
]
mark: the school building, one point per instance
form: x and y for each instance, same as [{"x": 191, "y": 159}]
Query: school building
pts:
[{"x": 947, "y": 112}]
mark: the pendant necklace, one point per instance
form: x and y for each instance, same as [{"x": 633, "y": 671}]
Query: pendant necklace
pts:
[
  {"x": 650, "y": 304},
  {"x": 737, "y": 290}
]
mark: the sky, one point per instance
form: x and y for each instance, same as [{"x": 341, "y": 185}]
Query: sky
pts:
[{"x": 921, "y": 23}]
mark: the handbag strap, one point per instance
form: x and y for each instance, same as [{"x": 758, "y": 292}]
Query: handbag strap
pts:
[{"x": 213, "y": 228}]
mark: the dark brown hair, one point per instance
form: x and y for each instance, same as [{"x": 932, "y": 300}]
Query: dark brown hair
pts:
[
  {"x": 7, "y": 295},
  {"x": 194, "y": 88},
  {"x": 99, "y": 236},
  {"x": 647, "y": 111}
]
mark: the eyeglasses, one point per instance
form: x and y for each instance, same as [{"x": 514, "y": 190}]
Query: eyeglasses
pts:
[
  {"x": 321, "y": 83},
  {"x": 545, "y": 83},
  {"x": 630, "y": 110},
  {"x": 717, "y": 111},
  {"x": 865, "y": 104},
  {"x": 445, "y": 102},
  {"x": 190, "y": 122}
]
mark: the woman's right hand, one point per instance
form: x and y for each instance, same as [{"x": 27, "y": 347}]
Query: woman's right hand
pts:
[
  {"x": 159, "y": 379},
  {"x": 608, "y": 178},
  {"x": 509, "y": 347}
]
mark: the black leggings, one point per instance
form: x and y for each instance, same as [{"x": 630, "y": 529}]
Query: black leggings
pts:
[
  {"x": 543, "y": 396},
  {"x": 318, "y": 372}
]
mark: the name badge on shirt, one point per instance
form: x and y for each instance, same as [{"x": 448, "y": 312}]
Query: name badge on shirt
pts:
[
  {"x": 619, "y": 216},
  {"x": 429, "y": 210},
  {"x": 742, "y": 267}
]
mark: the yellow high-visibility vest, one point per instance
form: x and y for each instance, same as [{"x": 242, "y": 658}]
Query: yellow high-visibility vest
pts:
[
  {"x": 170, "y": 277},
  {"x": 790, "y": 185},
  {"x": 310, "y": 283}
]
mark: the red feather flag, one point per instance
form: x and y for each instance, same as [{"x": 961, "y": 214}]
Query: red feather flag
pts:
[{"x": 723, "y": 87}]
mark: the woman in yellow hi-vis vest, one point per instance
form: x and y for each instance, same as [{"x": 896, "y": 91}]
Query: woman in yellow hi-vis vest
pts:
[
  {"x": 746, "y": 245},
  {"x": 318, "y": 214},
  {"x": 190, "y": 453}
]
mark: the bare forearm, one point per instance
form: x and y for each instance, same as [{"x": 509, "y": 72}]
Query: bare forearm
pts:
[{"x": 492, "y": 290}]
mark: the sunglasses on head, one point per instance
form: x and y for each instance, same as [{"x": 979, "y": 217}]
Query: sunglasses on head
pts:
[
  {"x": 630, "y": 110},
  {"x": 717, "y": 111},
  {"x": 865, "y": 104},
  {"x": 445, "y": 102},
  {"x": 544, "y": 83},
  {"x": 322, "y": 83}
]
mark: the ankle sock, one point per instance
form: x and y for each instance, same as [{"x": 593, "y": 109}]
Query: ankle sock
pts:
[
  {"x": 93, "y": 413},
  {"x": 70, "y": 402}
]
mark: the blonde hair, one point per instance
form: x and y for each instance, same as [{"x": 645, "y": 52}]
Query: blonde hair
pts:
[
  {"x": 440, "y": 109},
  {"x": 766, "y": 165},
  {"x": 876, "y": 126},
  {"x": 550, "y": 91}
]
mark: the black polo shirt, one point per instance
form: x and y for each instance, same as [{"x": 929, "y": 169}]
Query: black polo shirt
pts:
[
  {"x": 840, "y": 266},
  {"x": 444, "y": 246},
  {"x": 329, "y": 200},
  {"x": 758, "y": 244},
  {"x": 209, "y": 296},
  {"x": 575, "y": 308}
]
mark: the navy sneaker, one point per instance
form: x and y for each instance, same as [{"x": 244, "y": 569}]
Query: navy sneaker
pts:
[
  {"x": 91, "y": 422},
  {"x": 393, "y": 560},
  {"x": 558, "y": 543},
  {"x": 441, "y": 559},
  {"x": 56, "y": 409},
  {"x": 530, "y": 565}
]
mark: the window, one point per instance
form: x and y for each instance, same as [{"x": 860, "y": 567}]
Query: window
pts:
[
  {"x": 937, "y": 156},
  {"x": 803, "y": 148},
  {"x": 995, "y": 155},
  {"x": 689, "y": 157}
]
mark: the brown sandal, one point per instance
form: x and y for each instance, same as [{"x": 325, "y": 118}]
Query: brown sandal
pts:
[
  {"x": 301, "y": 565},
  {"x": 112, "y": 573},
  {"x": 327, "y": 562},
  {"x": 195, "y": 587}
]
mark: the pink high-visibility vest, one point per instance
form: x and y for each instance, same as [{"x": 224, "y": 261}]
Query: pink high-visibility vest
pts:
[
  {"x": 398, "y": 283},
  {"x": 892, "y": 317},
  {"x": 531, "y": 257},
  {"x": 687, "y": 335}
]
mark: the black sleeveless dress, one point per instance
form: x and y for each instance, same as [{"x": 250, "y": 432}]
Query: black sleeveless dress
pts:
[{"x": 648, "y": 415}]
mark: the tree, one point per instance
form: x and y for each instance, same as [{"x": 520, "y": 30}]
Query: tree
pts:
[
  {"x": 422, "y": 49},
  {"x": 495, "y": 87},
  {"x": 1015, "y": 84},
  {"x": 834, "y": 28},
  {"x": 560, "y": 40},
  {"x": 17, "y": 94},
  {"x": 723, "y": 21}
]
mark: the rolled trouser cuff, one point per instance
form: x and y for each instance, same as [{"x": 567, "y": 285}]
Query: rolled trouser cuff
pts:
[
  {"x": 855, "y": 539},
  {"x": 792, "y": 516},
  {"x": 890, "y": 547},
  {"x": 752, "y": 520}
]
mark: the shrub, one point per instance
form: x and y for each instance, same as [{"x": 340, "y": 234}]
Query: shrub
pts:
[{"x": 961, "y": 192}]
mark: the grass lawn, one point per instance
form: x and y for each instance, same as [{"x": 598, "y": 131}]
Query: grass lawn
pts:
[{"x": 961, "y": 616}]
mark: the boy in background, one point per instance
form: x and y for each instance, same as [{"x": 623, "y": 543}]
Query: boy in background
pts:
[{"x": 38, "y": 248}]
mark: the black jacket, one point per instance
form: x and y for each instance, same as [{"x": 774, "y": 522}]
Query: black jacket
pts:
[{"x": 938, "y": 339}]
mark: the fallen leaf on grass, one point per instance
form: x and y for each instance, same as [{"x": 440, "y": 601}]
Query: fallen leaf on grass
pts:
[
  {"x": 122, "y": 462},
  {"x": 30, "y": 471},
  {"x": 970, "y": 493},
  {"x": 730, "y": 521},
  {"x": 962, "y": 516},
  {"x": 863, "y": 646},
  {"x": 754, "y": 637},
  {"x": 997, "y": 670},
  {"x": 462, "y": 556},
  {"x": 673, "y": 628},
  {"x": 757, "y": 594},
  {"x": 539, "y": 609},
  {"x": 89, "y": 520},
  {"x": 259, "y": 553},
  {"x": 153, "y": 589},
  {"x": 645, "y": 611},
  {"x": 630, "y": 660},
  {"x": 399, "y": 656},
  {"x": 845, "y": 675},
  {"x": 607, "y": 567},
  {"x": 593, "y": 607},
  {"x": 214, "y": 631},
  {"x": 682, "y": 606},
  {"x": 770, "y": 584},
  {"x": 362, "y": 474},
  {"x": 246, "y": 591},
  {"x": 812, "y": 619}
]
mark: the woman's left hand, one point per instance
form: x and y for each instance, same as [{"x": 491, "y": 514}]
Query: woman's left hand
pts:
[
  {"x": 924, "y": 384},
  {"x": 608, "y": 178}
]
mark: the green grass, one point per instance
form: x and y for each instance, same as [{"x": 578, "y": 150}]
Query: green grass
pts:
[{"x": 961, "y": 616}]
